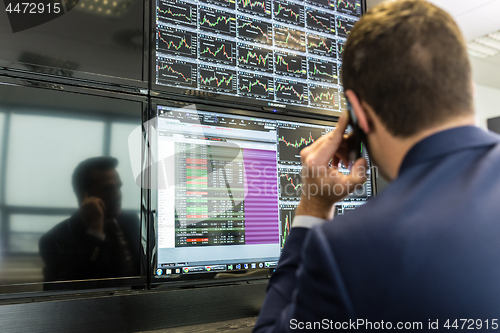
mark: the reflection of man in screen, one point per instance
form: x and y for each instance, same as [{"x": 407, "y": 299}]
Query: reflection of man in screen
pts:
[{"x": 98, "y": 241}]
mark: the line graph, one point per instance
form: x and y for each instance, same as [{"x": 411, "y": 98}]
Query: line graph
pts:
[
  {"x": 177, "y": 11},
  {"x": 256, "y": 86},
  {"x": 289, "y": 38},
  {"x": 285, "y": 229},
  {"x": 218, "y": 21},
  {"x": 350, "y": 7},
  {"x": 288, "y": 12},
  {"x": 254, "y": 30},
  {"x": 321, "y": 96},
  {"x": 290, "y": 64},
  {"x": 322, "y": 71},
  {"x": 340, "y": 49},
  {"x": 231, "y": 4},
  {"x": 292, "y": 140},
  {"x": 217, "y": 50},
  {"x": 323, "y": 3},
  {"x": 177, "y": 73},
  {"x": 255, "y": 58},
  {"x": 255, "y": 6},
  {"x": 319, "y": 21},
  {"x": 290, "y": 183},
  {"x": 212, "y": 78},
  {"x": 290, "y": 91},
  {"x": 287, "y": 213},
  {"x": 177, "y": 42},
  {"x": 300, "y": 143},
  {"x": 320, "y": 45},
  {"x": 344, "y": 26}
]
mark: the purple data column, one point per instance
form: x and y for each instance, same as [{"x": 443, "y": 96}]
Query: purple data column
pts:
[{"x": 261, "y": 197}]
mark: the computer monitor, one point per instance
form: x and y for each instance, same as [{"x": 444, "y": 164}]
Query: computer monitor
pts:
[
  {"x": 260, "y": 54},
  {"x": 227, "y": 186}
]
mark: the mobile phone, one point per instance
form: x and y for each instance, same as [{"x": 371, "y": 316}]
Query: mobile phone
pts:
[{"x": 356, "y": 137}]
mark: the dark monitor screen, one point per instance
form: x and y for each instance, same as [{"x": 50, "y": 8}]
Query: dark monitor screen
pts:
[
  {"x": 46, "y": 137},
  {"x": 92, "y": 42},
  {"x": 268, "y": 53},
  {"x": 228, "y": 185}
]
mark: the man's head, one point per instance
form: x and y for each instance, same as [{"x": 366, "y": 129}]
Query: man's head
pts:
[
  {"x": 97, "y": 177},
  {"x": 407, "y": 61}
]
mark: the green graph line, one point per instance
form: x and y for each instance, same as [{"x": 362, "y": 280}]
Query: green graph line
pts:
[
  {"x": 260, "y": 59},
  {"x": 246, "y": 3},
  {"x": 347, "y": 4},
  {"x": 175, "y": 72},
  {"x": 225, "y": 79},
  {"x": 219, "y": 19},
  {"x": 299, "y": 144},
  {"x": 281, "y": 87},
  {"x": 289, "y": 35},
  {"x": 317, "y": 71},
  {"x": 340, "y": 26},
  {"x": 321, "y": 96},
  {"x": 172, "y": 44},
  {"x": 280, "y": 60},
  {"x": 280, "y": 7},
  {"x": 255, "y": 27},
  {"x": 214, "y": 54},
  {"x": 323, "y": 44},
  {"x": 253, "y": 84},
  {"x": 168, "y": 11}
]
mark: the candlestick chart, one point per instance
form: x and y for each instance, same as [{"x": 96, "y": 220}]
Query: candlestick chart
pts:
[
  {"x": 177, "y": 11},
  {"x": 217, "y": 50},
  {"x": 291, "y": 91},
  {"x": 323, "y": 96},
  {"x": 349, "y": 7},
  {"x": 324, "y": 71},
  {"x": 217, "y": 79},
  {"x": 256, "y": 86},
  {"x": 292, "y": 140},
  {"x": 254, "y": 30},
  {"x": 289, "y": 38},
  {"x": 255, "y": 58},
  {"x": 288, "y": 12},
  {"x": 321, "y": 45},
  {"x": 176, "y": 41},
  {"x": 290, "y": 65}
]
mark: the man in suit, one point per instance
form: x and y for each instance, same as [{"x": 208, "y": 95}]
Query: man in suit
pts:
[
  {"x": 99, "y": 240},
  {"x": 424, "y": 253}
]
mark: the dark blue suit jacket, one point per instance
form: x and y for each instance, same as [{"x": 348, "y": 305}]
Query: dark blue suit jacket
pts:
[{"x": 426, "y": 248}]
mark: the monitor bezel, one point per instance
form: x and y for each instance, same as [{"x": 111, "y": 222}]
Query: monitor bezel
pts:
[{"x": 229, "y": 277}]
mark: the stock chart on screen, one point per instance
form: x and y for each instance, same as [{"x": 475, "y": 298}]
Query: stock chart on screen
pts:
[{"x": 265, "y": 51}]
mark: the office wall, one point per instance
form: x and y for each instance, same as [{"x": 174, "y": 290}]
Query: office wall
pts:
[{"x": 487, "y": 103}]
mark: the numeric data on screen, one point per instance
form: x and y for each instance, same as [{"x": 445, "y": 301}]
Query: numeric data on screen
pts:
[{"x": 265, "y": 51}]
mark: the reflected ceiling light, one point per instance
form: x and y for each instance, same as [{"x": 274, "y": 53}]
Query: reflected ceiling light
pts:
[{"x": 485, "y": 46}]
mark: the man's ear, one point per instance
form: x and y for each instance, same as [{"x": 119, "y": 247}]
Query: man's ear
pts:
[{"x": 359, "y": 111}]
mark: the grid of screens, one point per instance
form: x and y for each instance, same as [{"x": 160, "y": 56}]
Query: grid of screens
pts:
[
  {"x": 229, "y": 181},
  {"x": 277, "y": 51}
]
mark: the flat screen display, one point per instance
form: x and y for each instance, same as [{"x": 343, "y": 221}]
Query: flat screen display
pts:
[
  {"x": 228, "y": 186},
  {"x": 280, "y": 53}
]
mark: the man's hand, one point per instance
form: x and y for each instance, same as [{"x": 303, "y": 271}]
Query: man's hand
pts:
[
  {"x": 322, "y": 183},
  {"x": 92, "y": 212}
]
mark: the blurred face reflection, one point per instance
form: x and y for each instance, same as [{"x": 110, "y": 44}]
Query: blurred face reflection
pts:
[{"x": 106, "y": 185}]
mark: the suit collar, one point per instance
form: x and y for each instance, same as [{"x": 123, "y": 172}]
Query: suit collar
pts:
[{"x": 447, "y": 142}]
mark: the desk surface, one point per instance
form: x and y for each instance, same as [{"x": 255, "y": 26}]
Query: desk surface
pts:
[{"x": 242, "y": 325}]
